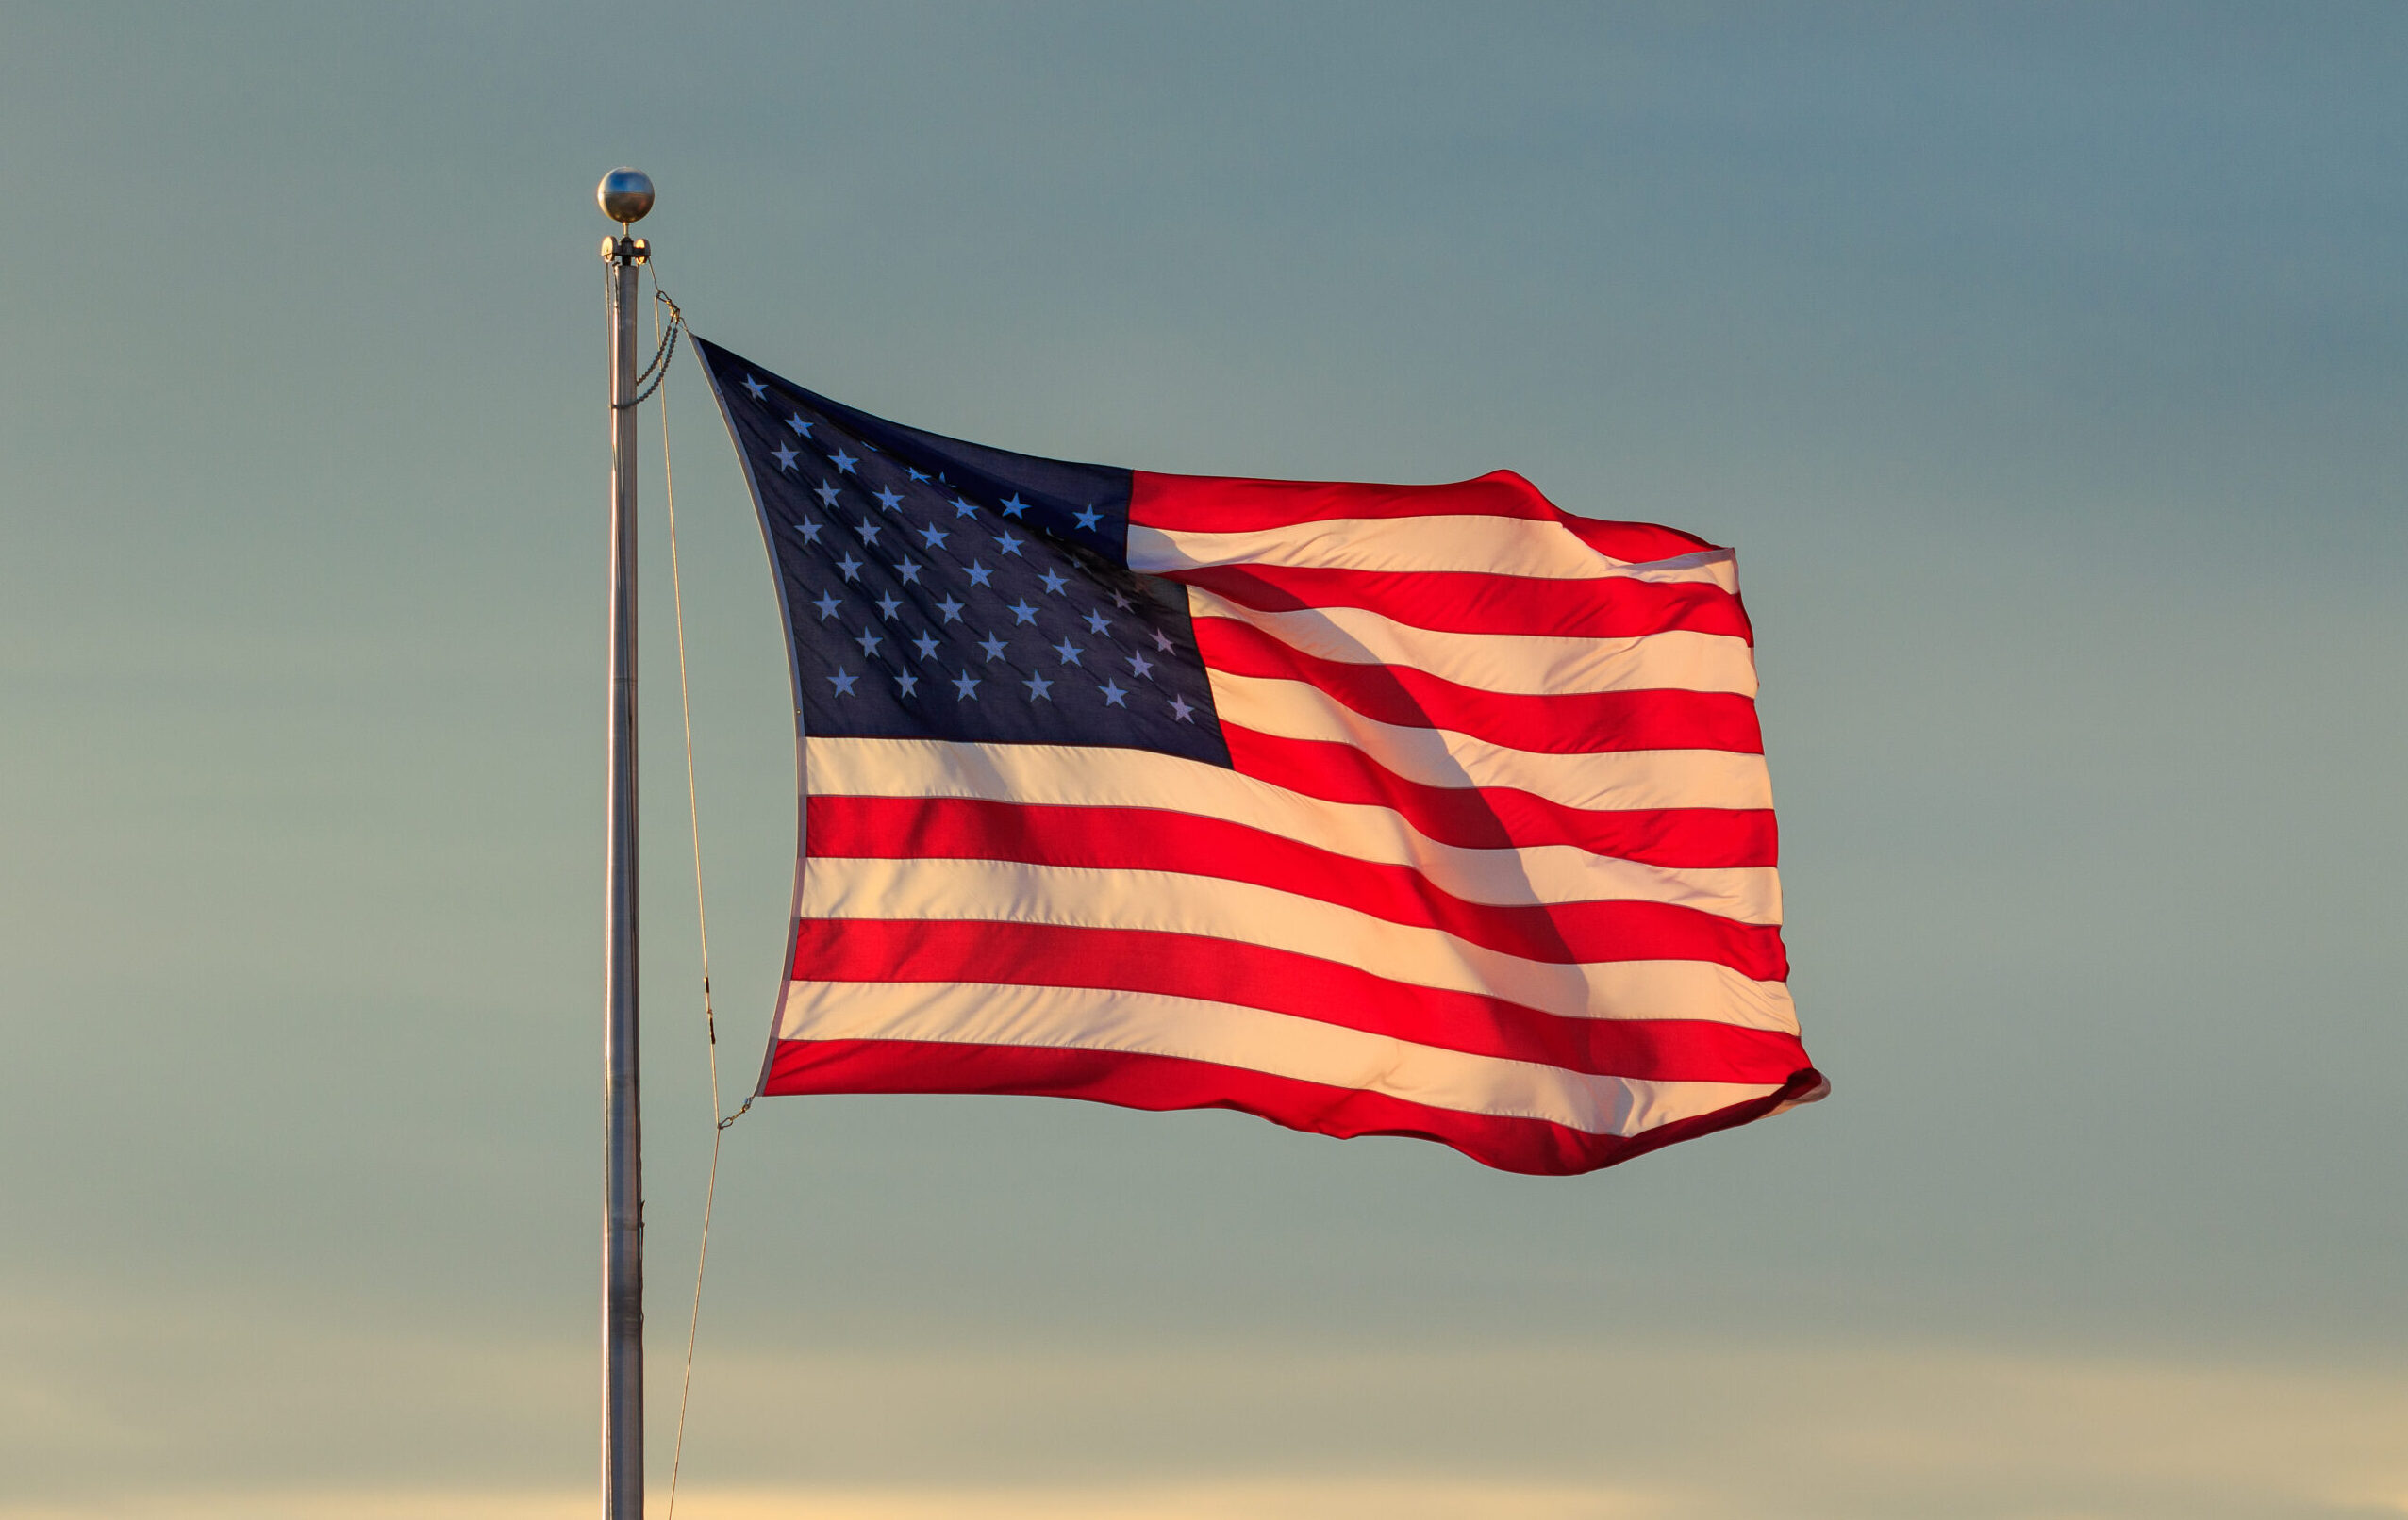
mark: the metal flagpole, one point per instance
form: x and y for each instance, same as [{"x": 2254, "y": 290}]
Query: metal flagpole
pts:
[{"x": 626, "y": 196}]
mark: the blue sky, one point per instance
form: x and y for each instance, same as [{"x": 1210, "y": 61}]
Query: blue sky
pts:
[{"x": 2045, "y": 364}]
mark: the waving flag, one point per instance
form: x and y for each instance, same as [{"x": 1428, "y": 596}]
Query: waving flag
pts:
[{"x": 1424, "y": 810}]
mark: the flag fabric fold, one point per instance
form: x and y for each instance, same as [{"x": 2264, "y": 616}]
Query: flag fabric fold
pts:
[{"x": 1422, "y": 810}]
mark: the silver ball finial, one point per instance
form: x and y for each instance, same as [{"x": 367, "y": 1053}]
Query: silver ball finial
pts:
[{"x": 624, "y": 195}]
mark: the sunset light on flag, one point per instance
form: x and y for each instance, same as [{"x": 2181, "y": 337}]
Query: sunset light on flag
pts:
[{"x": 1369, "y": 809}]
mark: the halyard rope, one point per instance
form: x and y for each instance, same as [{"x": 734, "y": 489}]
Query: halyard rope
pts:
[{"x": 694, "y": 820}]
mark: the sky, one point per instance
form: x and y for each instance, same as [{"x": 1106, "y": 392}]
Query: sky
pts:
[{"x": 2046, "y": 364}]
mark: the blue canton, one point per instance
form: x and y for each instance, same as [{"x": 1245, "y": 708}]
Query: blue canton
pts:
[{"x": 940, "y": 590}]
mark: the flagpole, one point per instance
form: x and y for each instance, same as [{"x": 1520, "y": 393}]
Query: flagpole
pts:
[{"x": 625, "y": 195}]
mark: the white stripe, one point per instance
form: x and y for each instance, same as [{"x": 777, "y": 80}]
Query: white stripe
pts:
[
  {"x": 1072, "y": 776},
  {"x": 1251, "y": 1039},
  {"x": 1171, "y": 903},
  {"x": 1524, "y": 664},
  {"x": 1441, "y": 757},
  {"x": 1491, "y": 546}
]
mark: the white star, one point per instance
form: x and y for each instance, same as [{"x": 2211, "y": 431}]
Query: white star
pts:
[
  {"x": 926, "y": 645},
  {"x": 784, "y": 454},
  {"x": 1013, "y": 506},
  {"x": 1122, "y": 601},
  {"x": 951, "y": 608},
  {"x": 843, "y": 682},
  {"x": 979, "y": 574},
  {"x": 850, "y": 566},
  {"x": 888, "y": 606},
  {"x": 1096, "y": 623},
  {"x": 906, "y": 683},
  {"x": 963, "y": 509},
  {"x": 910, "y": 572},
  {"x": 993, "y": 646},
  {"x": 1089, "y": 518},
  {"x": 826, "y": 493},
  {"x": 1038, "y": 686},
  {"x": 757, "y": 388},
  {"x": 1021, "y": 612},
  {"x": 934, "y": 536},
  {"x": 1054, "y": 581},
  {"x": 965, "y": 687},
  {"x": 1113, "y": 695},
  {"x": 916, "y": 475},
  {"x": 828, "y": 605},
  {"x": 802, "y": 428},
  {"x": 1009, "y": 543},
  {"x": 869, "y": 531},
  {"x": 1180, "y": 709},
  {"x": 1069, "y": 652},
  {"x": 810, "y": 531},
  {"x": 1138, "y": 666},
  {"x": 868, "y": 642},
  {"x": 1162, "y": 641},
  {"x": 889, "y": 498},
  {"x": 844, "y": 462}
]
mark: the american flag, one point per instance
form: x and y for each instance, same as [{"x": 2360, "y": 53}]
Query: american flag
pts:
[{"x": 1424, "y": 810}]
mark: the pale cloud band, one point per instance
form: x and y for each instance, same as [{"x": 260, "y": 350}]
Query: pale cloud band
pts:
[{"x": 1669, "y": 1429}]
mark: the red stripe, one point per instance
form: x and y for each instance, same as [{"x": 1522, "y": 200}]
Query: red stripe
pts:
[
  {"x": 1155, "y": 840},
  {"x": 1571, "y": 723},
  {"x": 1495, "y": 817},
  {"x": 1285, "y": 982},
  {"x": 1471, "y": 601},
  {"x": 1158, "y": 1083},
  {"x": 1222, "y": 503}
]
